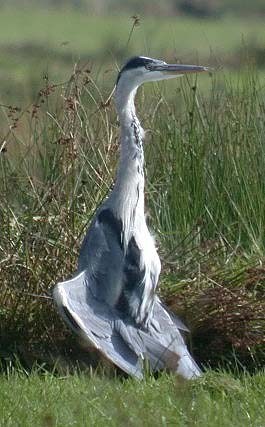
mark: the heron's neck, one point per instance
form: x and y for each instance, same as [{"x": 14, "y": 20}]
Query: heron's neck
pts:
[
  {"x": 131, "y": 132},
  {"x": 130, "y": 176}
]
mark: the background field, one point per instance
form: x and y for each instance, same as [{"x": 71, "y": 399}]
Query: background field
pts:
[
  {"x": 205, "y": 191},
  {"x": 36, "y": 42}
]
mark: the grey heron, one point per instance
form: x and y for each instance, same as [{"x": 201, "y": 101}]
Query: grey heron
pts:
[{"x": 111, "y": 301}]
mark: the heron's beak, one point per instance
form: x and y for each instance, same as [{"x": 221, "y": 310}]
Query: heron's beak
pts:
[{"x": 177, "y": 68}]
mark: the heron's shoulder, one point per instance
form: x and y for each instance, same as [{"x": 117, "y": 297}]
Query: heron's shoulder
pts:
[
  {"x": 103, "y": 236},
  {"x": 108, "y": 226},
  {"x": 107, "y": 217}
]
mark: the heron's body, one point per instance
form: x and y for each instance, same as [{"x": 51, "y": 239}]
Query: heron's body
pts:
[{"x": 112, "y": 300}]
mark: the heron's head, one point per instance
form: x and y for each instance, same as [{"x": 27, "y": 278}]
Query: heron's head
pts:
[{"x": 141, "y": 69}]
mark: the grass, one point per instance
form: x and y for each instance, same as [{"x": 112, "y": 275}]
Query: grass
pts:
[
  {"x": 216, "y": 400},
  {"x": 216, "y": 155}
]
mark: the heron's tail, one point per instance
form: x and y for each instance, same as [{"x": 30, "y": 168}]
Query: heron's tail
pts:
[{"x": 165, "y": 328}]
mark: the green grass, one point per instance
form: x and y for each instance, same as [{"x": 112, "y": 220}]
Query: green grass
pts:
[{"x": 216, "y": 400}]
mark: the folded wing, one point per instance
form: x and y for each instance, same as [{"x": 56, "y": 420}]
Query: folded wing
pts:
[{"x": 120, "y": 339}]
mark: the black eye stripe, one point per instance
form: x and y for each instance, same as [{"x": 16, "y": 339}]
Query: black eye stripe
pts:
[{"x": 135, "y": 62}]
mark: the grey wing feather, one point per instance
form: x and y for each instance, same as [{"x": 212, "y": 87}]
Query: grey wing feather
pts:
[
  {"x": 164, "y": 327},
  {"x": 163, "y": 314},
  {"x": 94, "y": 321},
  {"x": 121, "y": 341},
  {"x": 144, "y": 345},
  {"x": 115, "y": 273},
  {"x": 102, "y": 256}
]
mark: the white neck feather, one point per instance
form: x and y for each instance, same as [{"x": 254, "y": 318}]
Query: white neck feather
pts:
[{"x": 128, "y": 192}]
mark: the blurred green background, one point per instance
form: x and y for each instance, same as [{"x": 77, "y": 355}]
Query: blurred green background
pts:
[{"x": 47, "y": 37}]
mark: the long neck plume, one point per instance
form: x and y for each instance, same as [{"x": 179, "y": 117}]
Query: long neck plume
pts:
[{"x": 132, "y": 135}]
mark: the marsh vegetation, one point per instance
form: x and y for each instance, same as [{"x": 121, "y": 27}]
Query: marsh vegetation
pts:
[{"x": 205, "y": 195}]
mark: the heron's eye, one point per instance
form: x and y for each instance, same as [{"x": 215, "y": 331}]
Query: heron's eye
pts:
[{"x": 149, "y": 67}]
